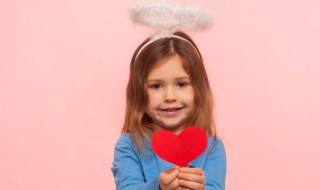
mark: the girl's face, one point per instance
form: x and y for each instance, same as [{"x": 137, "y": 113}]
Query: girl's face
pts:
[{"x": 171, "y": 95}]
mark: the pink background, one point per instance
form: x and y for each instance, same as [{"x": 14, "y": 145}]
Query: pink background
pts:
[{"x": 64, "y": 66}]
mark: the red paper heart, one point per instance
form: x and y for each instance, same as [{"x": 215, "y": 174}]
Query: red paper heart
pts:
[{"x": 180, "y": 149}]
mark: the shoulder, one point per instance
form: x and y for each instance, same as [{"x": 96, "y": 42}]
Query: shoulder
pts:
[
  {"x": 125, "y": 148},
  {"x": 124, "y": 138},
  {"x": 215, "y": 141},
  {"x": 124, "y": 141},
  {"x": 215, "y": 145}
]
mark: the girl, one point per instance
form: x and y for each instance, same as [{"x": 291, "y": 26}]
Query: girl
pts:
[{"x": 168, "y": 89}]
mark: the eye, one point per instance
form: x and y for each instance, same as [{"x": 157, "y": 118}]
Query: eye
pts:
[
  {"x": 182, "y": 84},
  {"x": 155, "y": 86}
]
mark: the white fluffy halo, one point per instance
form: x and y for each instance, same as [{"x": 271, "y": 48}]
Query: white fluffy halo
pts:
[{"x": 163, "y": 16}]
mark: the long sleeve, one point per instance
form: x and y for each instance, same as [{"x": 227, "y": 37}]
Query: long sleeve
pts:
[
  {"x": 132, "y": 171},
  {"x": 127, "y": 168},
  {"x": 215, "y": 167}
]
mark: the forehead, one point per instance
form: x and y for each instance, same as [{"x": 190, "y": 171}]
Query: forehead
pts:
[{"x": 171, "y": 67}]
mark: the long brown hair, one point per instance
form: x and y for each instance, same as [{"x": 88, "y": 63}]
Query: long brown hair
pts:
[{"x": 137, "y": 122}]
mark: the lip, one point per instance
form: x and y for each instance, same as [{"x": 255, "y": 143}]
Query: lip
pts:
[{"x": 170, "y": 111}]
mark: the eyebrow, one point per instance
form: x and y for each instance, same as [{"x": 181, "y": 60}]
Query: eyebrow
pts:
[{"x": 158, "y": 80}]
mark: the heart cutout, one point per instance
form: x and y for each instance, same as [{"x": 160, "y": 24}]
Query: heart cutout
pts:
[{"x": 180, "y": 149}]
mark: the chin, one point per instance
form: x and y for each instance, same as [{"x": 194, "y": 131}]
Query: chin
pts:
[{"x": 172, "y": 127}]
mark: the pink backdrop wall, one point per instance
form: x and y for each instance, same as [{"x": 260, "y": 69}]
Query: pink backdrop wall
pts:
[{"x": 64, "y": 67}]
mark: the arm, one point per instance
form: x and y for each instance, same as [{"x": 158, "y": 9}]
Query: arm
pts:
[
  {"x": 215, "y": 167},
  {"x": 127, "y": 169}
]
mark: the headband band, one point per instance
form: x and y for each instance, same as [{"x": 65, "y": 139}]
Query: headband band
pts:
[{"x": 157, "y": 37}]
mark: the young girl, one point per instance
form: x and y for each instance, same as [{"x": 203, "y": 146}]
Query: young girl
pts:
[{"x": 168, "y": 89}]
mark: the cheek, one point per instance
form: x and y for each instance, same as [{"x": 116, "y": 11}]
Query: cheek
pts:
[
  {"x": 191, "y": 96},
  {"x": 151, "y": 104},
  {"x": 154, "y": 97}
]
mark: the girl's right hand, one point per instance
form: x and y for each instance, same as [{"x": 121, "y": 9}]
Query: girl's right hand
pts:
[{"x": 168, "y": 179}]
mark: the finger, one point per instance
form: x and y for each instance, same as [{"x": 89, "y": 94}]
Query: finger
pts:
[
  {"x": 178, "y": 188},
  {"x": 174, "y": 184},
  {"x": 170, "y": 176},
  {"x": 192, "y": 177},
  {"x": 191, "y": 184},
  {"x": 197, "y": 171},
  {"x": 169, "y": 171}
]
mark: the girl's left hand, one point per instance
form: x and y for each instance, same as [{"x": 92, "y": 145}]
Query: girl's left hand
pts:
[{"x": 192, "y": 178}]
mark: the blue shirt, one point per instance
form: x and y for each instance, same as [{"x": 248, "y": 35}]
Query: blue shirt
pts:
[{"x": 134, "y": 170}]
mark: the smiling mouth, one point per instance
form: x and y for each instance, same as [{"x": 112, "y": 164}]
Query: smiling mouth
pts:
[{"x": 171, "y": 109}]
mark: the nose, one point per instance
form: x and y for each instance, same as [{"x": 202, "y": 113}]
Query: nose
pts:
[{"x": 169, "y": 95}]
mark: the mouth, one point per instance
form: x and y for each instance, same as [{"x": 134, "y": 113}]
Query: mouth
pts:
[{"x": 170, "y": 109}]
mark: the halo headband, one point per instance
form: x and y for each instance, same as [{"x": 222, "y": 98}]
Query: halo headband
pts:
[{"x": 164, "y": 17}]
